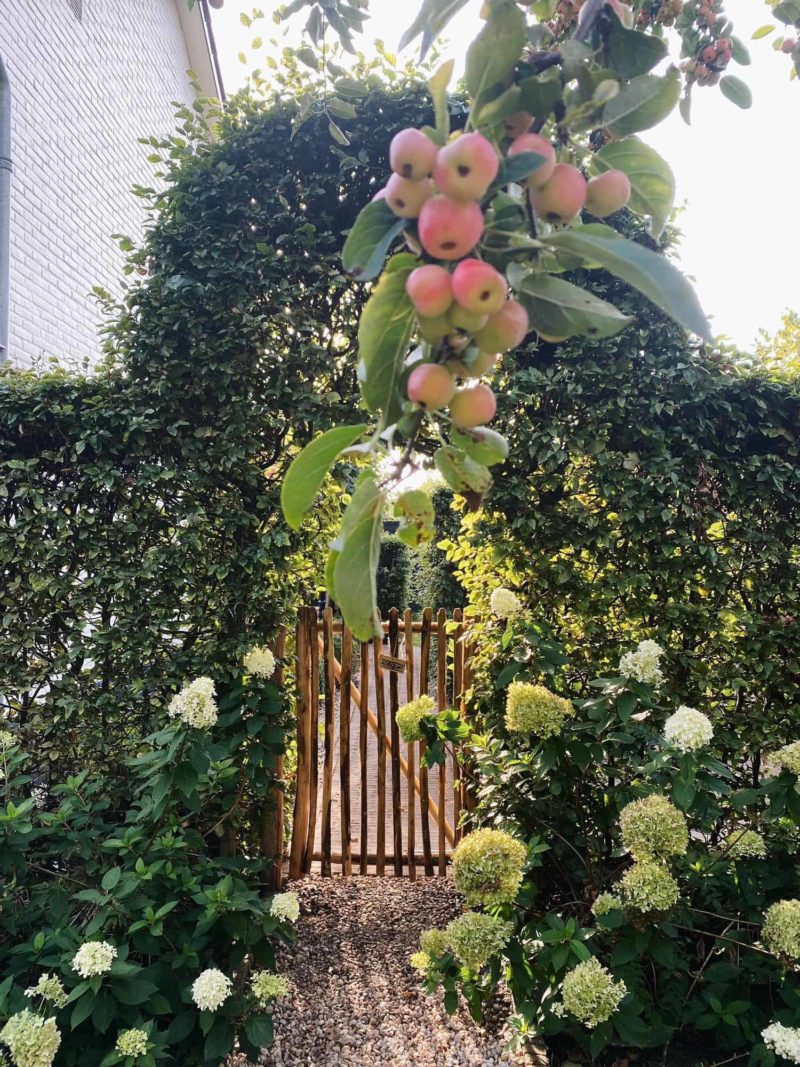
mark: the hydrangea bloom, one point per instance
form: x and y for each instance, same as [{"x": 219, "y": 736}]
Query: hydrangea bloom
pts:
[
  {"x": 688, "y": 729},
  {"x": 746, "y": 844},
  {"x": 487, "y": 867},
  {"x": 789, "y": 757},
  {"x": 643, "y": 664},
  {"x": 532, "y": 709},
  {"x": 286, "y": 907},
  {"x": 652, "y": 828},
  {"x": 409, "y": 716},
  {"x": 32, "y": 1040},
  {"x": 95, "y": 957},
  {"x": 6, "y": 740},
  {"x": 781, "y": 929},
  {"x": 783, "y": 1041},
  {"x": 475, "y": 937},
  {"x": 267, "y": 987},
  {"x": 605, "y": 903},
  {"x": 648, "y": 886},
  {"x": 132, "y": 1043},
  {"x": 590, "y": 993},
  {"x": 50, "y": 988},
  {"x": 434, "y": 942},
  {"x": 211, "y": 989},
  {"x": 421, "y": 961},
  {"x": 504, "y": 604},
  {"x": 195, "y": 704},
  {"x": 260, "y": 662}
]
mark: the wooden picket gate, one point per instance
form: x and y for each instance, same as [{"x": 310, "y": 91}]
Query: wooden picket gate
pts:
[{"x": 346, "y": 715}]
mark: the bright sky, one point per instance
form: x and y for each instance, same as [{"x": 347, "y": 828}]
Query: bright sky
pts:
[{"x": 737, "y": 172}]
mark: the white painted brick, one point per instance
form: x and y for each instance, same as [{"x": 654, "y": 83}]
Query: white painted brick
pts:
[{"x": 82, "y": 92}]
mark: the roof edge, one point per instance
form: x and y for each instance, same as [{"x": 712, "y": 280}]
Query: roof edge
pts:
[{"x": 201, "y": 46}]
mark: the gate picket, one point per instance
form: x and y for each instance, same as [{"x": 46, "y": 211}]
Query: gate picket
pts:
[{"x": 331, "y": 799}]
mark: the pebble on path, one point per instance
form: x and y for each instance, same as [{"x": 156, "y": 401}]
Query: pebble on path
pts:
[{"x": 356, "y": 1000}]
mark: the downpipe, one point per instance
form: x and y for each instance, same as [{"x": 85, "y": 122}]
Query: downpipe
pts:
[{"x": 5, "y": 206}]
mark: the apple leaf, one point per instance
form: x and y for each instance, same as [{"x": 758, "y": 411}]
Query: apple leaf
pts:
[
  {"x": 558, "y": 309},
  {"x": 307, "y": 471},
  {"x": 356, "y": 565},
  {"x": 370, "y": 239},
  {"x": 383, "y": 335}
]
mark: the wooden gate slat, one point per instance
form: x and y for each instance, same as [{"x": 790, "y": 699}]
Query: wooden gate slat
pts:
[
  {"x": 394, "y": 704},
  {"x": 363, "y": 729},
  {"x": 380, "y": 845},
  {"x": 458, "y": 672},
  {"x": 441, "y": 702},
  {"x": 344, "y": 750},
  {"x": 411, "y": 755},
  {"x": 327, "y": 766},
  {"x": 313, "y": 645},
  {"x": 424, "y": 664},
  {"x": 302, "y": 788},
  {"x": 272, "y": 842}
]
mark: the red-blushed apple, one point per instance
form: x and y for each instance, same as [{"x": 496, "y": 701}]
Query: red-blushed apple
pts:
[
  {"x": 473, "y": 405},
  {"x": 469, "y": 321},
  {"x": 449, "y": 229},
  {"x": 430, "y": 290},
  {"x": 406, "y": 197},
  {"x": 466, "y": 167},
  {"x": 412, "y": 154},
  {"x": 607, "y": 193},
  {"x": 477, "y": 286},
  {"x": 517, "y": 124},
  {"x": 562, "y": 197},
  {"x": 505, "y": 329},
  {"x": 534, "y": 142},
  {"x": 483, "y": 364},
  {"x": 431, "y": 385}
]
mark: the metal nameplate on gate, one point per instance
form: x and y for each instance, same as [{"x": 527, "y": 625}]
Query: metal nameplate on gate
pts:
[{"x": 392, "y": 663}]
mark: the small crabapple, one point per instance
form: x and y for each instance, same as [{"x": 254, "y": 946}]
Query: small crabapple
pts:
[
  {"x": 449, "y": 229},
  {"x": 473, "y": 405},
  {"x": 607, "y": 193},
  {"x": 562, "y": 197},
  {"x": 462, "y": 318},
  {"x": 505, "y": 329},
  {"x": 431, "y": 385},
  {"x": 483, "y": 364},
  {"x": 517, "y": 124},
  {"x": 477, "y": 286},
  {"x": 434, "y": 328},
  {"x": 412, "y": 154},
  {"x": 534, "y": 142},
  {"x": 406, "y": 197},
  {"x": 430, "y": 290},
  {"x": 788, "y": 45},
  {"x": 466, "y": 167}
]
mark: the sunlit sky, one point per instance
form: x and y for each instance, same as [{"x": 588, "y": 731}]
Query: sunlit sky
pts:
[{"x": 737, "y": 172}]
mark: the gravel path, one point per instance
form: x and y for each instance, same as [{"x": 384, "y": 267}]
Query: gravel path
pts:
[{"x": 355, "y": 999}]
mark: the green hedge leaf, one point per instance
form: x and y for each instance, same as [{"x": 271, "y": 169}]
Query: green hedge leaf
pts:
[{"x": 308, "y": 470}]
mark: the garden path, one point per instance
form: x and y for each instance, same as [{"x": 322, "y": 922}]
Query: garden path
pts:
[{"x": 355, "y": 999}]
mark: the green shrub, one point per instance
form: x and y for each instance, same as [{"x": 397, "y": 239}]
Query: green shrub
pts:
[
  {"x": 433, "y": 582},
  {"x": 394, "y": 565},
  {"x": 656, "y": 848},
  {"x": 153, "y": 890}
]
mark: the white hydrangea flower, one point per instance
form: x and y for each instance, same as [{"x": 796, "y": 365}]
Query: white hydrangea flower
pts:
[
  {"x": 504, "y": 604},
  {"x": 260, "y": 662},
  {"x": 783, "y": 1041},
  {"x": 195, "y": 704},
  {"x": 32, "y": 1039},
  {"x": 643, "y": 664},
  {"x": 50, "y": 988},
  {"x": 688, "y": 729},
  {"x": 132, "y": 1043},
  {"x": 6, "y": 741},
  {"x": 286, "y": 907},
  {"x": 93, "y": 958},
  {"x": 211, "y": 989}
]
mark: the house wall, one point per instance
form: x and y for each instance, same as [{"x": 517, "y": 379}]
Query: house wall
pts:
[{"x": 88, "y": 77}]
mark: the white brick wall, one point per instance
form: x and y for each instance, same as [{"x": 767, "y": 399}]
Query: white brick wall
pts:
[{"x": 82, "y": 92}]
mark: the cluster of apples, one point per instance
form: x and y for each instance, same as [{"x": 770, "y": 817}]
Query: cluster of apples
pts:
[
  {"x": 664, "y": 14},
  {"x": 462, "y": 303},
  {"x": 707, "y": 69}
]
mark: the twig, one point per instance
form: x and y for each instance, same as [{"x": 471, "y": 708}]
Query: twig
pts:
[{"x": 590, "y": 12}]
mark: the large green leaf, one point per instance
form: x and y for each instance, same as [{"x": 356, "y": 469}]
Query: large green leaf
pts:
[
  {"x": 432, "y": 18},
  {"x": 496, "y": 49},
  {"x": 307, "y": 471},
  {"x": 651, "y": 178},
  {"x": 630, "y": 52},
  {"x": 737, "y": 91},
  {"x": 539, "y": 95},
  {"x": 649, "y": 272},
  {"x": 357, "y": 563},
  {"x": 642, "y": 103},
  {"x": 437, "y": 86},
  {"x": 370, "y": 239},
  {"x": 559, "y": 309},
  {"x": 383, "y": 335}
]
